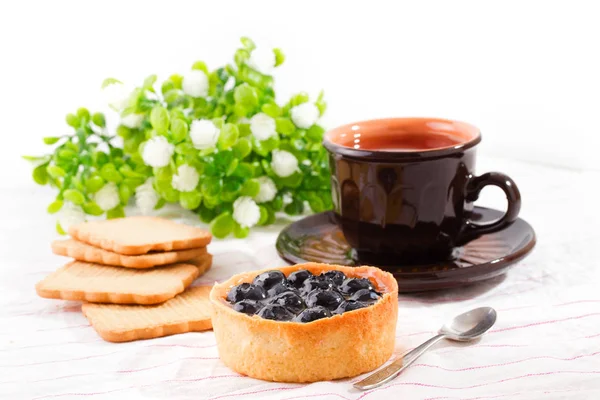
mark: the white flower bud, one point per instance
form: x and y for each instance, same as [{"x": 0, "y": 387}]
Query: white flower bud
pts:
[
  {"x": 263, "y": 60},
  {"x": 145, "y": 197},
  {"x": 204, "y": 134},
  {"x": 268, "y": 190},
  {"x": 117, "y": 95},
  {"x": 262, "y": 126},
  {"x": 195, "y": 83},
  {"x": 157, "y": 152},
  {"x": 230, "y": 84},
  {"x": 70, "y": 215},
  {"x": 305, "y": 115},
  {"x": 284, "y": 163},
  {"x": 132, "y": 120},
  {"x": 187, "y": 178},
  {"x": 246, "y": 212},
  {"x": 107, "y": 197}
]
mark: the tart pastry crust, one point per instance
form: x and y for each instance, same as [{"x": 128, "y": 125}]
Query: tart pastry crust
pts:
[{"x": 341, "y": 346}]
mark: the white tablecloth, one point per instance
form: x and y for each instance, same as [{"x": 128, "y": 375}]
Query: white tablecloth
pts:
[{"x": 545, "y": 345}]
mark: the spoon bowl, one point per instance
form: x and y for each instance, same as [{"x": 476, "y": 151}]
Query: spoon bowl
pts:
[{"x": 470, "y": 325}]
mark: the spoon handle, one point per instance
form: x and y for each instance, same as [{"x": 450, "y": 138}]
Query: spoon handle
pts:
[{"x": 392, "y": 370}]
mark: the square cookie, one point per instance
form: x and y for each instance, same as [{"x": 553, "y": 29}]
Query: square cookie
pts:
[
  {"x": 140, "y": 235},
  {"x": 85, "y": 252},
  {"x": 187, "y": 312},
  {"x": 97, "y": 283}
]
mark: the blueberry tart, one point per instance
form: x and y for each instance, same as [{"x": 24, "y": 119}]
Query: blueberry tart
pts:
[{"x": 305, "y": 323}]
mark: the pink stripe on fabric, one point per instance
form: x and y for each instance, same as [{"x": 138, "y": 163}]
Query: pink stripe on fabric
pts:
[
  {"x": 478, "y": 385},
  {"x": 318, "y": 395},
  {"x": 165, "y": 364},
  {"x": 50, "y": 344},
  {"x": 277, "y": 389},
  {"x": 508, "y": 363},
  {"x": 59, "y": 361},
  {"x": 63, "y": 327},
  {"x": 544, "y": 322},
  {"x": 182, "y": 345},
  {"x": 137, "y": 386}
]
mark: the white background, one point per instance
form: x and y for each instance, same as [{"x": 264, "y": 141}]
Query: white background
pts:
[{"x": 527, "y": 73}]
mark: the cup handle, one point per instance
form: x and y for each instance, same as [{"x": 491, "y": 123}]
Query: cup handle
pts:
[{"x": 474, "y": 187}]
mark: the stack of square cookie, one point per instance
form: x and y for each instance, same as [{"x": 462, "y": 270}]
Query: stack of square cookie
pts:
[{"x": 138, "y": 268}]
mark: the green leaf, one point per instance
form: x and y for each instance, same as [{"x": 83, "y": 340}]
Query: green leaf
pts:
[
  {"x": 298, "y": 99},
  {"x": 264, "y": 215},
  {"x": 40, "y": 175},
  {"x": 271, "y": 109},
  {"x": 55, "y": 171},
  {"x": 228, "y": 136},
  {"x": 246, "y": 96},
  {"x": 59, "y": 229},
  {"x": 83, "y": 114},
  {"x": 277, "y": 203},
  {"x": 177, "y": 80},
  {"x": 74, "y": 196},
  {"x": 206, "y": 215},
  {"x": 242, "y": 148},
  {"x": 292, "y": 181},
  {"x": 179, "y": 130},
  {"x": 279, "y": 57},
  {"x": 239, "y": 231},
  {"x": 149, "y": 83},
  {"x": 165, "y": 189},
  {"x": 109, "y": 173},
  {"x": 232, "y": 167},
  {"x": 315, "y": 133},
  {"x": 264, "y": 147},
  {"x": 241, "y": 56},
  {"x": 321, "y": 104},
  {"x": 251, "y": 188},
  {"x": 55, "y": 206},
  {"x": 159, "y": 119},
  {"x": 296, "y": 207},
  {"x": 200, "y": 66},
  {"x": 211, "y": 186},
  {"x": 67, "y": 155},
  {"x": 34, "y": 158},
  {"x": 247, "y": 43},
  {"x": 190, "y": 200},
  {"x": 125, "y": 193},
  {"x": 94, "y": 183},
  {"x": 285, "y": 126},
  {"x": 222, "y": 226},
  {"x": 92, "y": 208},
  {"x": 99, "y": 120},
  {"x": 109, "y": 81},
  {"x": 117, "y": 212},
  {"x": 72, "y": 120},
  {"x": 185, "y": 149},
  {"x": 51, "y": 139},
  {"x": 244, "y": 170}
]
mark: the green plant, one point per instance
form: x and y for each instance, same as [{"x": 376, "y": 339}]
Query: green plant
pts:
[{"x": 216, "y": 142}]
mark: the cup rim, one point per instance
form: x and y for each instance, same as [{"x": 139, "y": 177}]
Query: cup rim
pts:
[{"x": 401, "y": 155}]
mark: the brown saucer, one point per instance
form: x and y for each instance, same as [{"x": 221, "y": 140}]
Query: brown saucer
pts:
[{"x": 317, "y": 238}]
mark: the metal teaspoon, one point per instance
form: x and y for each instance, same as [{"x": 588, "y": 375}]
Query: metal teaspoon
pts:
[{"x": 463, "y": 328}]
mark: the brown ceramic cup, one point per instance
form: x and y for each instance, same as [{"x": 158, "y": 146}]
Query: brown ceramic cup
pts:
[{"x": 410, "y": 206}]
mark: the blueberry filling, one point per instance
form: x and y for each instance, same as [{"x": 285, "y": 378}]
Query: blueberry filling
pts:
[
  {"x": 365, "y": 295},
  {"x": 269, "y": 279},
  {"x": 302, "y": 296},
  {"x": 313, "y": 314},
  {"x": 275, "y": 312},
  {"x": 249, "y": 307},
  {"x": 296, "y": 279},
  {"x": 246, "y": 291},
  {"x": 325, "y": 298}
]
